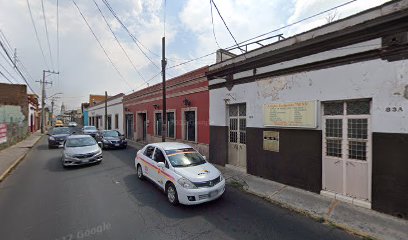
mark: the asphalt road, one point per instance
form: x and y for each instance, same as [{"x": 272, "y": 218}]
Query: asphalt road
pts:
[{"x": 42, "y": 200}]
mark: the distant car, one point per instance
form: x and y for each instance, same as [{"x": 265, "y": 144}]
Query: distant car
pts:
[
  {"x": 57, "y": 136},
  {"x": 80, "y": 150},
  {"x": 59, "y": 123},
  {"x": 90, "y": 130},
  {"x": 182, "y": 172},
  {"x": 72, "y": 124},
  {"x": 111, "y": 139}
]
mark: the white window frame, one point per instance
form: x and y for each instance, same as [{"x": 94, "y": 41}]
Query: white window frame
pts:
[
  {"x": 345, "y": 140},
  {"x": 183, "y": 120}
]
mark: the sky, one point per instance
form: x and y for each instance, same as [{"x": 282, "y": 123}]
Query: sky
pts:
[{"x": 187, "y": 25}]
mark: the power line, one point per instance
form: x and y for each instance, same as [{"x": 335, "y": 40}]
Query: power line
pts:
[
  {"x": 212, "y": 22},
  {"x": 225, "y": 24},
  {"x": 147, "y": 82},
  {"x": 272, "y": 31},
  {"x": 100, "y": 44},
  {"x": 58, "y": 37},
  {"x": 5, "y": 70},
  {"x": 6, "y": 78},
  {"x": 299, "y": 21},
  {"x": 18, "y": 70},
  {"x": 135, "y": 40},
  {"x": 117, "y": 40},
  {"x": 46, "y": 33},
  {"x": 7, "y": 43},
  {"x": 36, "y": 34}
]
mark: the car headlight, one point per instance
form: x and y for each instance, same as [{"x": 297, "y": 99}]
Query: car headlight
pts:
[
  {"x": 68, "y": 155},
  {"x": 105, "y": 141},
  {"x": 98, "y": 152},
  {"x": 221, "y": 177},
  {"x": 51, "y": 138},
  {"x": 185, "y": 183}
]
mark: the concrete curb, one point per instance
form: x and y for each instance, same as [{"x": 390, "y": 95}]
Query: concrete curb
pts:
[
  {"x": 316, "y": 217},
  {"x": 8, "y": 171}
]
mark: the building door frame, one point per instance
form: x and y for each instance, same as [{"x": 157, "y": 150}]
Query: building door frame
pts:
[
  {"x": 129, "y": 120},
  {"x": 236, "y": 117},
  {"x": 347, "y": 154},
  {"x": 141, "y": 129}
]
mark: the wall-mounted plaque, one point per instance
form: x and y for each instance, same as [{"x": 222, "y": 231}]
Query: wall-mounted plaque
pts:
[
  {"x": 271, "y": 141},
  {"x": 295, "y": 114}
]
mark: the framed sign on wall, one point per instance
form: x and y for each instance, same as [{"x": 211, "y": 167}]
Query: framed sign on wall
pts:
[{"x": 293, "y": 115}]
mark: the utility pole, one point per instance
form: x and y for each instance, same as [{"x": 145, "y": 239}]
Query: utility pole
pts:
[
  {"x": 43, "y": 83},
  {"x": 164, "y": 114},
  {"x": 106, "y": 110}
]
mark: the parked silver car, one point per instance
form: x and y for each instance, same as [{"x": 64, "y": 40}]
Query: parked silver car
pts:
[{"x": 80, "y": 150}]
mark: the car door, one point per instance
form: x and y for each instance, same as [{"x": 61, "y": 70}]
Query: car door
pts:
[
  {"x": 160, "y": 173},
  {"x": 148, "y": 164}
]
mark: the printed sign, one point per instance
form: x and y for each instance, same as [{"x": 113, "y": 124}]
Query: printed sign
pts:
[
  {"x": 3, "y": 133},
  {"x": 271, "y": 141},
  {"x": 295, "y": 114}
]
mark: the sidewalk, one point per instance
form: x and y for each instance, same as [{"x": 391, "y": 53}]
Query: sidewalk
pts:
[
  {"x": 13, "y": 155},
  {"x": 361, "y": 221}
]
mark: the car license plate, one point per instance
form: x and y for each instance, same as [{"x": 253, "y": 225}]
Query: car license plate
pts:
[
  {"x": 117, "y": 145},
  {"x": 85, "y": 161},
  {"x": 213, "y": 194}
]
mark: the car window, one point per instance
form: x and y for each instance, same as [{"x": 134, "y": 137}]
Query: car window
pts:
[
  {"x": 149, "y": 151},
  {"x": 110, "y": 134},
  {"x": 60, "y": 131},
  {"x": 80, "y": 142},
  {"x": 158, "y": 156},
  {"x": 89, "y": 128},
  {"x": 185, "y": 157}
]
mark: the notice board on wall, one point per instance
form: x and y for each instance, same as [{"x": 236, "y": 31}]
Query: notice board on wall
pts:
[
  {"x": 271, "y": 141},
  {"x": 294, "y": 114},
  {"x": 3, "y": 133}
]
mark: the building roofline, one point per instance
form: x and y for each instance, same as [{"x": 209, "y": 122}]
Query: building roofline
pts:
[
  {"x": 108, "y": 99},
  {"x": 356, "y": 22},
  {"x": 168, "y": 83}
]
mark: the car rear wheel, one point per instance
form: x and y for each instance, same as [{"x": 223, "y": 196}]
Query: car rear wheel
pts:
[
  {"x": 171, "y": 193},
  {"x": 139, "y": 172}
]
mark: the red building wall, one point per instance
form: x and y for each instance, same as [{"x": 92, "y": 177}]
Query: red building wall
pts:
[{"x": 192, "y": 86}]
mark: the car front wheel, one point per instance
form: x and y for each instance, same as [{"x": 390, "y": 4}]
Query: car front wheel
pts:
[
  {"x": 139, "y": 172},
  {"x": 172, "y": 194}
]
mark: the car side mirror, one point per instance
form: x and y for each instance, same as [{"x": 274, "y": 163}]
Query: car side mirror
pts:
[
  {"x": 205, "y": 158},
  {"x": 160, "y": 164}
]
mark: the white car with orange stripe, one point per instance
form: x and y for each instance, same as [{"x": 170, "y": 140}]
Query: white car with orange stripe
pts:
[{"x": 182, "y": 172}]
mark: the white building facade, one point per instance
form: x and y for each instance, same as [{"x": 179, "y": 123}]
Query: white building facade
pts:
[
  {"x": 325, "y": 110},
  {"x": 96, "y": 114}
]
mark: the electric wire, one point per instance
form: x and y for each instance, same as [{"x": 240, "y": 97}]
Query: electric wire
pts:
[
  {"x": 100, "y": 44},
  {"x": 135, "y": 40},
  {"x": 117, "y": 40},
  {"x": 18, "y": 70},
  {"x": 46, "y": 33},
  {"x": 36, "y": 34},
  {"x": 225, "y": 24},
  {"x": 212, "y": 22},
  {"x": 58, "y": 48},
  {"x": 272, "y": 31},
  {"x": 5, "y": 70},
  {"x": 5, "y": 77}
]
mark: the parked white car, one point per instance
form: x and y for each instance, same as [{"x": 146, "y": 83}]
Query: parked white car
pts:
[{"x": 182, "y": 172}]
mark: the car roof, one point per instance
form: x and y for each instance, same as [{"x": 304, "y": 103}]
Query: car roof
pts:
[
  {"x": 170, "y": 145},
  {"x": 79, "y": 136}
]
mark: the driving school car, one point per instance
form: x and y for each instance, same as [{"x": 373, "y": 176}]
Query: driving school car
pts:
[{"x": 182, "y": 172}]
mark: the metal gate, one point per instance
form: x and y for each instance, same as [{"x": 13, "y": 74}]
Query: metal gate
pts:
[
  {"x": 237, "y": 135},
  {"x": 347, "y": 149}
]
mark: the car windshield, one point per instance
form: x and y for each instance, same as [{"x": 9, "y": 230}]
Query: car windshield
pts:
[
  {"x": 80, "y": 142},
  {"x": 185, "y": 157},
  {"x": 90, "y": 128},
  {"x": 60, "y": 131},
  {"x": 110, "y": 134}
]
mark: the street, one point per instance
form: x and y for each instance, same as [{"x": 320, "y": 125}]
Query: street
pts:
[{"x": 42, "y": 200}]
